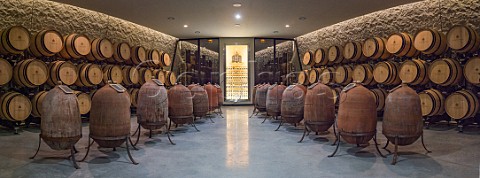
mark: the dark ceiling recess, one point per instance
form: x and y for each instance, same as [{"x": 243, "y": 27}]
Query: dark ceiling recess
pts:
[{"x": 216, "y": 18}]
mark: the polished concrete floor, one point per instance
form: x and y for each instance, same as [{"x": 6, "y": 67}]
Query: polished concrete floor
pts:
[{"x": 236, "y": 146}]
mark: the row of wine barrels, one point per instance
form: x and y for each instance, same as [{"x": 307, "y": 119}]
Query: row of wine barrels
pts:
[
  {"x": 445, "y": 72},
  {"x": 84, "y": 102},
  {"x": 430, "y": 41},
  {"x": 335, "y": 54},
  {"x": 101, "y": 49},
  {"x": 343, "y": 74},
  {"x": 463, "y": 39},
  {"x": 75, "y": 46},
  {"x": 37, "y": 103},
  {"x": 414, "y": 72},
  {"x": 352, "y": 51},
  {"x": 380, "y": 95},
  {"x": 30, "y": 73},
  {"x": 15, "y": 106},
  {"x": 46, "y": 43},
  {"x": 363, "y": 74},
  {"x": 386, "y": 73},
  {"x": 130, "y": 74},
  {"x": 62, "y": 71},
  {"x": 133, "y": 96},
  {"x": 112, "y": 73},
  {"x": 375, "y": 48},
  {"x": 14, "y": 40},
  {"x": 89, "y": 75},
  {"x": 462, "y": 104},
  {"x": 401, "y": 44},
  {"x": 432, "y": 102},
  {"x": 6, "y": 72}
]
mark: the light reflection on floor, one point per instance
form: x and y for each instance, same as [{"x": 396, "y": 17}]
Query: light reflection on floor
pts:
[{"x": 237, "y": 138}]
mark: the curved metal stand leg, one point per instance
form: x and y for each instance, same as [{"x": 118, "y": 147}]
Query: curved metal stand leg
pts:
[
  {"x": 211, "y": 120},
  {"x": 169, "y": 126},
  {"x": 194, "y": 126},
  {"x": 75, "y": 149},
  {"x": 395, "y": 152},
  {"x": 304, "y": 133},
  {"x": 335, "y": 132},
  {"x": 376, "y": 145},
  {"x": 72, "y": 152},
  {"x": 424, "y": 147},
  {"x": 253, "y": 112},
  {"x": 264, "y": 120},
  {"x": 279, "y": 125},
  {"x": 128, "y": 151},
  {"x": 138, "y": 136},
  {"x": 386, "y": 145},
  {"x": 38, "y": 149},
  {"x": 88, "y": 150},
  {"x": 149, "y": 134},
  {"x": 338, "y": 145}
]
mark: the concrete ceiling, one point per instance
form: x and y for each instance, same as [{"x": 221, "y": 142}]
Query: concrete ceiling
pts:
[{"x": 216, "y": 18}]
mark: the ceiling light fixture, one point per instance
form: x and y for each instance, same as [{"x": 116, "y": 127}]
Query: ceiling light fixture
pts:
[
  {"x": 237, "y": 5},
  {"x": 287, "y": 26},
  {"x": 171, "y": 18},
  {"x": 185, "y": 26},
  {"x": 238, "y": 16},
  {"x": 197, "y": 32},
  {"x": 302, "y": 18},
  {"x": 275, "y": 31}
]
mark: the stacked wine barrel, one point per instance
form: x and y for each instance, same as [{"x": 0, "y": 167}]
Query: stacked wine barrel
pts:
[
  {"x": 33, "y": 63},
  {"x": 442, "y": 67}
]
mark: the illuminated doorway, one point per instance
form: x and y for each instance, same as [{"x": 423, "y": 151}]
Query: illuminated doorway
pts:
[{"x": 236, "y": 73}]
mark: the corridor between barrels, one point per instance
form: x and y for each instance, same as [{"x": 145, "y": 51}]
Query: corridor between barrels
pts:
[{"x": 239, "y": 146}]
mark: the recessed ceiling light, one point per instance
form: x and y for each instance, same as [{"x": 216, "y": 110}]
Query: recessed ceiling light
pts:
[
  {"x": 171, "y": 18},
  {"x": 237, "y": 5},
  {"x": 287, "y": 26},
  {"x": 275, "y": 31},
  {"x": 237, "y": 25},
  {"x": 197, "y": 32},
  {"x": 302, "y": 18},
  {"x": 185, "y": 26},
  {"x": 238, "y": 16}
]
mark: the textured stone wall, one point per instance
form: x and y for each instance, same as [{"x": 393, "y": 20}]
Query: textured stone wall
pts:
[
  {"x": 435, "y": 14},
  {"x": 36, "y": 15}
]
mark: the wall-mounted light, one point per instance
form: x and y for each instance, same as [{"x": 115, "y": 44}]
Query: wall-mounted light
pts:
[
  {"x": 210, "y": 41},
  {"x": 262, "y": 40}
]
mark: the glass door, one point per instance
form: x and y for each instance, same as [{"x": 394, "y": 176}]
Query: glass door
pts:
[{"x": 236, "y": 72}]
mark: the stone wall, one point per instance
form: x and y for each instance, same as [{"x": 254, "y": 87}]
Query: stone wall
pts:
[
  {"x": 435, "y": 14},
  {"x": 36, "y": 15}
]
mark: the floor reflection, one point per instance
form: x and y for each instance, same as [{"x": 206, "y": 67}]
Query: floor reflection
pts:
[{"x": 237, "y": 138}]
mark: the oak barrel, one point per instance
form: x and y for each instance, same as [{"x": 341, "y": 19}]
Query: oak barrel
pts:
[
  {"x": 84, "y": 102},
  {"x": 445, "y": 72},
  {"x": 30, "y": 73},
  {"x": 430, "y": 41},
  {"x": 432, "y": 102},
  {"x": 133, "y": 92},
  {"x": 165, "y": 60},
  {"x": 153, "y": 58},
  {"x": 321, "y": 57},
  {"x": 63, "y": 71},
  {"x": 462, "y": 104},
  {"x": 130, "y": 74},
  {"x": 152, "y": 105},
  {"x": 327, "y": 76},
  {"x": 335, "y": 54},
  {"x": 471, "y": 70},
  {"x": 274, "y": 99},
  {"x": 308, "y": 59},
  {"x": 6, "y": 71},
  {"x": 138, "y": 55},
  {"x": 37, "y": 102},
  {"x": 314, "y": 74},
  {"x": 101, "y": 49},
  {"x": 319, "y": 108},
  {"x": 336, "y": 94},
  {"x": 46, "y": 43},
  {"x": 352, "y": 51},
  {"x": 170, "y": 78},
  {"x": 401, "y": 44},
  {"x": 463, "y": 39},
  {"x": 89, "y": 75},
  {"x": 380, "y": 95},
  {"x": 387, "y": 73},
  {"x": 293, "y": 100},
  {"x": 414, "y": 72},
  {"x": 121, "y": 53},
  {"x": 363, "y": 73},
  {"x": 402, "y": 119},
  {"x": 343, "y": 74},
  {"x": 61, "y": 125},
  {"x": 110, "y": 126},
  {"x": 14, "y": 106},
  {"x": 145, "y": 75},
  {"x": 375, "y": 48},
  {"x": 112, "y": 73},
  {"x": 14, "y": 40},
  {"x": 357, "y": 114},
  {"x": 303, "y": 77},
  {"x": 75, "y": 46}
]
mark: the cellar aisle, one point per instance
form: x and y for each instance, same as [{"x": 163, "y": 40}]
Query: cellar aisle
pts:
[{"x": 240, "y": 147}]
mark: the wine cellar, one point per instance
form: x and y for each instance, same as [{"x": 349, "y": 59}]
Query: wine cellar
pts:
[{"x": 107, "y": 88}]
